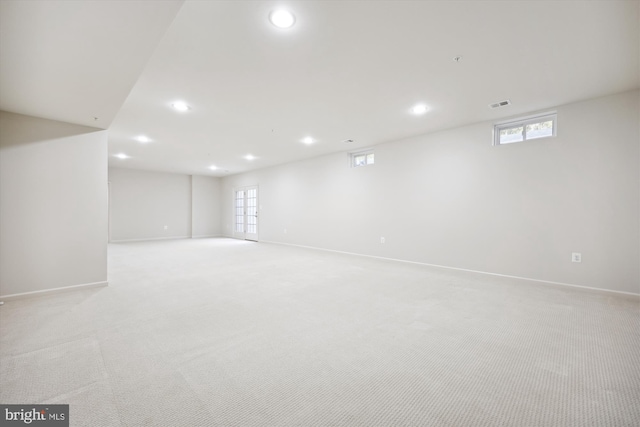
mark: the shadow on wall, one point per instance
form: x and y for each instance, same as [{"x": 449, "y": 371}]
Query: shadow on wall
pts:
[{"x": 10, "y": 123}]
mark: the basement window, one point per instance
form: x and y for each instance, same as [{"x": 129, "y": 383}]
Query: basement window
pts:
[
  {"x": 525, "y": 128},
  {"x": 361, "y": 158}
]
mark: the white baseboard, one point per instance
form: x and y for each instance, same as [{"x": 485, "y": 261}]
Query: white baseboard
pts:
[
  {"x": 153, "y": 239},
  {"x": 460, "y": 269},
  {"x": 53, "y": 291},
  {"x": 149, "y": 239}
]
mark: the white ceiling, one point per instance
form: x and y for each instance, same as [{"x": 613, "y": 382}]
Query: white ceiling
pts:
[
  {"x": 346, "y": 70},
  {"x": 76, "y": 61}
]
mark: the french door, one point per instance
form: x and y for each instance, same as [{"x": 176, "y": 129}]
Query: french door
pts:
[{"x": 246, "y": 213}]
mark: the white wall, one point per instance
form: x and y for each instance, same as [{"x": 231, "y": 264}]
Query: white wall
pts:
[
  {"x": 142, "y": 203},
  {"x": 53, "y": 205},
  {"x": 206, "y": 209},
  {"x": 452, "y": 199}
]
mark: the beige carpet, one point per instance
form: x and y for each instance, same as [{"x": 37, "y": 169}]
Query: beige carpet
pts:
[{"x": 219, "y": 332}]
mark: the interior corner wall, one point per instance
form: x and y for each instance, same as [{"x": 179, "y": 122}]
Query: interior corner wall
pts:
[
  {"x": 53, "y": 205},
  {"x": 205, "y": 206},
  {"x": 452, "y": 199},
  {"x": 146, "y": 205}
]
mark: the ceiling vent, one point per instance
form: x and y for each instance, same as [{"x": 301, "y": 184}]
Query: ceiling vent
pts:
[{"x": 500, "y": 104}]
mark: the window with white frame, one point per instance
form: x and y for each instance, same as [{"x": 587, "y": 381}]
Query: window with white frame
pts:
[
  {"x": 525, "y": 128},
  {"x": 361, "y": 158}
]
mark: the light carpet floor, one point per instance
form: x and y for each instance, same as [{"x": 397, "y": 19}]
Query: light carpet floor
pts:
[{"x": 220, "y": 332}]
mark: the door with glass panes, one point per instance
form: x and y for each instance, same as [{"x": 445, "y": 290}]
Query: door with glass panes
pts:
[{"x": 246, "y": 213}]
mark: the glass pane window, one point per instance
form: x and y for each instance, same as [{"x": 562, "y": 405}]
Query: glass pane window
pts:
[
  {"x": 540, "y": 130},
  {"x": 507, "y": 136},
  {"x": 240, "y": 211},
  {"x": 526, "y": 128},
  {"x": 370, "y": 159},
  {"x": 363, "y": 158}
]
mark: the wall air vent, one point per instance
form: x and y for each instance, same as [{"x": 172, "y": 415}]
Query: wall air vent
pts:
[{"x": 500, "y": 104}]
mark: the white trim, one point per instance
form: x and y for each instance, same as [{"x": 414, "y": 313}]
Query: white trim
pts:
[
  {"x": 523, "y": 122},
  {"x": 235, "y": 234},
  {"x": 529, "y": 118},
  {"x": 190, "y": 206},
  {"x": 460, "y": 269},
  {"x": 149, "y": 239},
  {"x": 207, "y": 236},
  {"x": 365, "y": 152},
  {"x": 53, "y": 291},
  {"x": 109, "y": 211}
]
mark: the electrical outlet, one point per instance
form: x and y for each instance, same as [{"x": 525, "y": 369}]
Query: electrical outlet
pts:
[
  {"x": 576, "y": 257},
  {"x": 382, "y": 240},
  {"x": 166, "y": 227}
]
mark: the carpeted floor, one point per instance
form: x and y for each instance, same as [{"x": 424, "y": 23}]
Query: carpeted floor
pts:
[{"x": 220, "y": 332}]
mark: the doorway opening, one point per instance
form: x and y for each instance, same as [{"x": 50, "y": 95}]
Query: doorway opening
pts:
[{"x": 246, "y": 213}]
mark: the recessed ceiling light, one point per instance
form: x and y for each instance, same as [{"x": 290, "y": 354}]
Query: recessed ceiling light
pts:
[
  {"x": 308, "y": 140},
  {"x": 250, "y": 157},
  {"x": 143, "y": 139},
  {"x": 419, "y": 109},
  {"x": 213, "y": 167},
  {"x": 121, "y": 156},
  {"x": 180, "y": 106},
  {"x": 282, "y": 18}
]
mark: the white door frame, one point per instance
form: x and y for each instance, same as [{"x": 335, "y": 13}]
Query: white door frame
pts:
[
  {"x": 242, "y": 211},
  {"x": 108, "y": 211}
]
